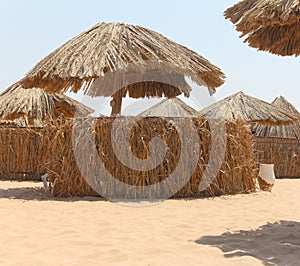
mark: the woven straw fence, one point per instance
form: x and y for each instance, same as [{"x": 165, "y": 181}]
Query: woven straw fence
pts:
[
  {"x": 283, "y": 153},
  {"x": 236, "y": 175},
  {"x": 22, "y": 153}
]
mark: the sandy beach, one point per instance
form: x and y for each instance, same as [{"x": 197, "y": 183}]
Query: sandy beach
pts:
[{"x": 39, "y": 230}]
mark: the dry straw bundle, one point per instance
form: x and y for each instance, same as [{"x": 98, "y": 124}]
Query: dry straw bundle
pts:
[
  {"x": 235, "y": 176},
  {"x": 270, "y": 25}
]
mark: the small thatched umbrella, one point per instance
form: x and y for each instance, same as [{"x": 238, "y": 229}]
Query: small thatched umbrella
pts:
[
  {"x": 270, "y": 25},
  {"x": 172, "y": 107},
  {"x": 281, "y": 131},
  {"x": 34, "y": 106},
  {"x": 111, "y": 48},
  {"x": 249, "y": 109}
]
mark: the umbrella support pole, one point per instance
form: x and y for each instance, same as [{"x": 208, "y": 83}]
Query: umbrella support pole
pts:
[{"x": 116, "y": 103}]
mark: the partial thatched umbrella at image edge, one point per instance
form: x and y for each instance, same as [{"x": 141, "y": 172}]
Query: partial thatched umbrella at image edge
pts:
[
  {"x": 269, "y": 25},
  {"x": 241, "y": 106},
  {"x": 112, "y": 47},
  {"x": 282, "y": 131},
  {"x": 34, "y": 106}
]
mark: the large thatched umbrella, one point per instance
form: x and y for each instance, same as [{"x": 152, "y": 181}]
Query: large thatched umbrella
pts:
[
  {"x": 114, "y": 48},
  {"x": 34, "y": 106},
  {"x": 282, "y": 131},
  {"x": 249, "y": 109},
  {"x": 172, "y": 107},
  {"x": 270, "y": 25}
]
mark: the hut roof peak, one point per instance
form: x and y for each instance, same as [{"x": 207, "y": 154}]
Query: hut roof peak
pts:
[
  {"x": 171, "y": 107},
  {"x": 283, "y": 103},
  {"x": 282, "y": 131},
  {"x": 247, "y": 108}
]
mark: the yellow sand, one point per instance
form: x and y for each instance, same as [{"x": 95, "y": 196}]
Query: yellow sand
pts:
[{"x": 38, "y": 230}]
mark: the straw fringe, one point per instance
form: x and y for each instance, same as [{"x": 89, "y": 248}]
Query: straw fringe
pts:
[{"x": 270, "y": 25}]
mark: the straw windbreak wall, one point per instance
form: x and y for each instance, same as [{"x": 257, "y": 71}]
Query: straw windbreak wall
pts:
[
  {"x": 236, "y": 175},
  {"x": 22, "y": 153},
  {"x": 283, "y": 153}
]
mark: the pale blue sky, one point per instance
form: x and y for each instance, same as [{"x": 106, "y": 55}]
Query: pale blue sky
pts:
[{"x": 31, "y": 29}]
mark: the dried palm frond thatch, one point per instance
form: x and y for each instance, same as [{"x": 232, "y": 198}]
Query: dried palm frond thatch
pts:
[
  {"x": 270, "y": 25},
  {"x": 284, "y": 104},
  {"x": 111, "y": 48},
  {"x": 172, "y": 107},
  {"x": 249, "y": 109},
  {"x": 282, "y": 131},
  {"x": 34, "y": 106}
]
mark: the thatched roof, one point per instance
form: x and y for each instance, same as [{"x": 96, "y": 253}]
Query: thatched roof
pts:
[
  {"x": 34, "y": 106},
  {"x": 270, "y": 25},
  {"x": 244, "y": 107},
  {"x": 172, "y": 107},
  {"x": 284, "y": 104},
  {"x": 109, "y": 47},
  {"x": 282, "y": 131}
]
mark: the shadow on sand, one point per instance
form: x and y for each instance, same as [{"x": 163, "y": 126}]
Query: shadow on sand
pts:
[
  {"x": 273, "y": 243},
  {"x": 37, "y": 193}
]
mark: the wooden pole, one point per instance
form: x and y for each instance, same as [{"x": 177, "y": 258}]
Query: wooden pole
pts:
[{"x": 116, "y": 103}]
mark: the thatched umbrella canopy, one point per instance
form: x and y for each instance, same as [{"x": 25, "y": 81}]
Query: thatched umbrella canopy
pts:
[
  {"x": 111, "y": 48},
  {"x": 172, "y": 107},
  {"x": 282, "y": 131},
  {"x": 244, "y": 107},
  {"x": 34, "y": 106},
  {"x": 270, "y": 25}
]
